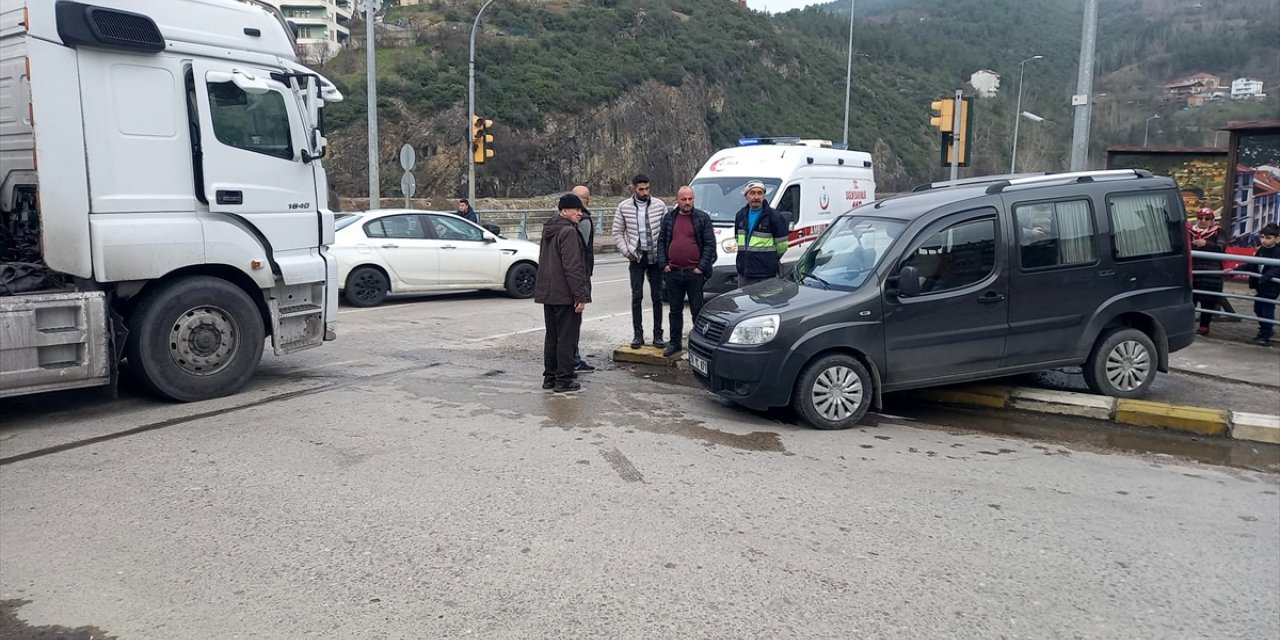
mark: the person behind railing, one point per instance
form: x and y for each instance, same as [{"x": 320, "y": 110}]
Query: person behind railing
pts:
[
  {"x": 1206, "y": 235},
  {"x": 1266, "y": 283}
]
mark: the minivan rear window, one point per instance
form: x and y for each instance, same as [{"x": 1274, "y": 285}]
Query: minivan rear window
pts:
[
  {"x": 1055, "y": 234},
  {"x": 1143, "y": 225}
]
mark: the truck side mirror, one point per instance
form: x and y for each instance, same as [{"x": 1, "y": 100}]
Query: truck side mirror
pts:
[{"x": 908, "y": 282}]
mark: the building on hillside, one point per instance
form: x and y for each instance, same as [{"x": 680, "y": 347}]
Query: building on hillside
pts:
[
  {"x": 321, "y": 26},
  {"x": 1200, "y": 99},
  {"x": 1180, "y": 90},
  {"x": 986, "y": 82},
  {"x": 1242, "y": 88}
]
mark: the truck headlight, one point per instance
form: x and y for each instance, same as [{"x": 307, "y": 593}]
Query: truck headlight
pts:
[
  {"x": 757, "y": 330},
  {"x": 730, "y": 245}
]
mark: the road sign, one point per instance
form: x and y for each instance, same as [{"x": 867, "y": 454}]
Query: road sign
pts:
[
  {"x": 408, "y": 185},
  {"x": 407, "y": 158}
]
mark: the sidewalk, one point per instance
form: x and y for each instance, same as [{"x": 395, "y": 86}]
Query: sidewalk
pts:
[{"x": 1230, "y": 361}]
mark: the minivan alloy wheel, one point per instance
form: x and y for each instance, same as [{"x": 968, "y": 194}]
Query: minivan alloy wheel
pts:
[
  {"x": 833, "y": 392},
  {"x": 837, "y": 393},
  {"x": 1128, "y": 365}
]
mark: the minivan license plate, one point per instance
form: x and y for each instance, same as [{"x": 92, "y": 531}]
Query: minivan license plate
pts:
[{"x": 699, "y": 364}]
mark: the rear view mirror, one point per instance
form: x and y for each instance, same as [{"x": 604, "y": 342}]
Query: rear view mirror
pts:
[{"x": 908, "y": 282}]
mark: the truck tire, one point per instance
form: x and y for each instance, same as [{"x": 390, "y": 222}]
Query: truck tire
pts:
[
  {"x": 366, "y": 287},
  {"x": 1122, "y": 364},
  {"x": 521, "y": 279},
  {"x": 195, "y": 338},
  {"x": 833, "y": 392}
]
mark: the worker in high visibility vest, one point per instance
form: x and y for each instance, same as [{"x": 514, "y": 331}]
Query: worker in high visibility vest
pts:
[{"x": 762, "y": 237}]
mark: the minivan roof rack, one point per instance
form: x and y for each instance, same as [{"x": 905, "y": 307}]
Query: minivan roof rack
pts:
[
  {"x": 978, "y": 180},
  {"x": 1074, "y": 176}
]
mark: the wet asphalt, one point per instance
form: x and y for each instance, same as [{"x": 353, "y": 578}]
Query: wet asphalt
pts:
[{"x": 413, "y": 480}]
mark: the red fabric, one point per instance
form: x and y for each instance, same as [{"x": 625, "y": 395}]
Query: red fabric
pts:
[{"x": 683, "y": 252}]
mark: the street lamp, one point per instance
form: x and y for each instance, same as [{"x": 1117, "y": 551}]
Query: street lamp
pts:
[
  {"x": 471, "y": 103},
  {"x": 848, "y": 77},
  {"x": 1022, "y": 67},
  {"x": 1147, "y": 129}
]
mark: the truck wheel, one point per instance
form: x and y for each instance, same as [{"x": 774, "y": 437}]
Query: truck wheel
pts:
[
  {"x": 833, "y": 392},
  {"x": 195, "y": 338},
  {"x": 1122, "y": 364},
  {"x": 366, "y": 287},
  {"x": 521, "y": 279}
]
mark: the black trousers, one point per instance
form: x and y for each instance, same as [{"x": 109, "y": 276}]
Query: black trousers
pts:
[
  {"x": 563, "y": 328},
  {"x": 1206, "y": 303},
  {"x": 683, "y": 284},
  {"x": 640, "y": 270}
]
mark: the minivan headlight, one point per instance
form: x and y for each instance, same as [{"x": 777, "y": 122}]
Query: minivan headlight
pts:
[
  {"x": 757, "y": 330},
  {"x": 730, "y": 245}
]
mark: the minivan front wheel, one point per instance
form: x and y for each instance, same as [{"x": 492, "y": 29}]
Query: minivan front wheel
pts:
[
  {"x": 833, "y": 392},
  {"x": 1123, "y": 364}
]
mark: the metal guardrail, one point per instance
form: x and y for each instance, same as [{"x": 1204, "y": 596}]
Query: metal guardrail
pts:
[
  {"x": 519, "y": 219},
  {"x": 1232, "y": 257}
]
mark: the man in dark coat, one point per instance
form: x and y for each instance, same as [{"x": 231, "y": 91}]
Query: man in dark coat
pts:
[
  {"x": 564, "y": 289},
  {"x": 586, "y": 228},
  {"x": 686, "y": 251},
  {"x": 466, "y": 212}
]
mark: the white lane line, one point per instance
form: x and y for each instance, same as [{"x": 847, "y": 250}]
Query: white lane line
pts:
[
  {"x": 523, "y": 331},
  {"x": 611, "y": 281}
]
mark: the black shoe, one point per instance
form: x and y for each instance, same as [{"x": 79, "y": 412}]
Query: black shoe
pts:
[
  {"x": 568, "y": 387},
  {"x": 638, "y": 340},
  {"x": 672, "y": 350},
  {"x": 657, "y": 340},
  {"x": 1261, "y": 342},
  {"x": 548, "y": 383},
  {"x": 584, "y": 367}
]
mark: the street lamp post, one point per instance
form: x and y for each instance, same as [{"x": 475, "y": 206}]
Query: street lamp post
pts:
[
  {"x": 1017, "y": 114},
  {"x": 471, "y": 104},
  {"x": 372, "y": 79},
  {"x": 848, "y": 77},
  {"x": 1147, "y": 129}
]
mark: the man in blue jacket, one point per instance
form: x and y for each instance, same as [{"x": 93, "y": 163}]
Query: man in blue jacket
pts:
[
  {"x": 761, "y": 234},
  {"x": 686, "y": 251}
]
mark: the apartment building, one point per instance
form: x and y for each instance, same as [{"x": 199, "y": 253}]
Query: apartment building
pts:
[{"x": 322, "y": 25}]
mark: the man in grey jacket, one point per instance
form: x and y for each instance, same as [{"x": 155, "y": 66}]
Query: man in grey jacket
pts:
[{"x": 636, "y": 226}]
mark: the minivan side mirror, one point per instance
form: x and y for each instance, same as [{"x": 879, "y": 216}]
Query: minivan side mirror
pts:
[{"x": 908, "y": 282}]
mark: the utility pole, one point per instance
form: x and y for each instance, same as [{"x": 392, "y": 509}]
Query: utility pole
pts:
[
  {"x": 1017, "y": 114},
  {"x": 372, "y": 81},
  {"x": 848, "y": 77},
  {"x": 471, "y": 104},
  {"x": 958, "y": 134},
  {"x": 1083, "y": 100}
]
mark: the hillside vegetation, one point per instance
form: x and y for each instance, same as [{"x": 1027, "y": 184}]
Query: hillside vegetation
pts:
[{"x": 597, "y": 90}]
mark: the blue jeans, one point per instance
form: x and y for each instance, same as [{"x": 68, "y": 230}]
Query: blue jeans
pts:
[{"x": 1265, "y": 310}]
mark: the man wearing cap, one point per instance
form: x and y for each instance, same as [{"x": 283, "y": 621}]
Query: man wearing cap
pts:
[
  {"x": 636, "y": 226},
  {"x": 563, "y": 289},
  {"x": 761, "y": 234}
]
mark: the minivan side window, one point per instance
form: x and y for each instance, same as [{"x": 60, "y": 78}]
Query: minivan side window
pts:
[
  {"x": 1055, "y": 234},
  {"x": 958, "y": 256},
  {"x": 1143, "y": 225}
]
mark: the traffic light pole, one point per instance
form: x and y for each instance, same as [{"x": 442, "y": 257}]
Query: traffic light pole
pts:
[
  {"x": 955, "y": 131},
  {"x": 471, "y": 105}
]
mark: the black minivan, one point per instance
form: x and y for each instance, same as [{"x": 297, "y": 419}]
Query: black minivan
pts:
[{"x": 974, "y": 279}]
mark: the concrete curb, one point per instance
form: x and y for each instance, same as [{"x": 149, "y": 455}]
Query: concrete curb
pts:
[{"x": 1238, "y": 425}]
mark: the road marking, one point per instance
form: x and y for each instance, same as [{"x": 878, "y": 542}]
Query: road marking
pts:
[{"x": 524, "y": 331}]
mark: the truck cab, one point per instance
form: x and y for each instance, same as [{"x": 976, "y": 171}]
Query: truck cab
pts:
[
  {"x": 807, "y": 181},
  {"x": 162, "y": 182}
]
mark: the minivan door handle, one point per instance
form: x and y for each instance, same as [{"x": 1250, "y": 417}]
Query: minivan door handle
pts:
[
  {"x": 1106, "y": 273},
  {"x": 991, "y": 297}
]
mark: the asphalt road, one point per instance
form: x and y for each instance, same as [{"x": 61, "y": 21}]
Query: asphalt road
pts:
[{"x": 413, "y": 481}]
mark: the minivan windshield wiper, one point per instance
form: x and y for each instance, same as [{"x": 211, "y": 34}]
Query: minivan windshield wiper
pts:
[{"x": 825, "y": 285}]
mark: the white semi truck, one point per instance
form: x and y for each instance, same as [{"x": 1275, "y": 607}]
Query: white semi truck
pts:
[{"x": 162, "y": 201}]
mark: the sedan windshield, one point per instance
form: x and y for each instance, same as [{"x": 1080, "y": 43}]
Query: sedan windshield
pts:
[
  {"x": 723, "y": 197},
  {"x": 848, "y": 252}
]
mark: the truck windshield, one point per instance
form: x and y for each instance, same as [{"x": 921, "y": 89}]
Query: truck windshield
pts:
[
  {"x": 723, "y": 197},
  {"x": 848, "y": 252}
]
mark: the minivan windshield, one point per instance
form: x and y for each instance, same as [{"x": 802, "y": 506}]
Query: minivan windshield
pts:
[
  {"x": 723, "y": 197},
  {"x": 848, "y": 252}
]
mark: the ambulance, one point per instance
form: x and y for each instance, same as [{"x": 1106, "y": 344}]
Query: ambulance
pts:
[{"x": 808, "y": 181}]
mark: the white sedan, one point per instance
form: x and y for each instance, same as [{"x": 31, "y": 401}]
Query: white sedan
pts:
[{"x": 392, "y": 251}]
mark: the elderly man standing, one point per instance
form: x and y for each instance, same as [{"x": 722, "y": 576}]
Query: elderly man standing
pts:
[
  {"x": 586, "y": 228},
  {"x": 762, "y": 234},
  {"x": 636, "y": 226},
  {"x": 563, "y": 289},
  {"x": 686, "y": 251}
]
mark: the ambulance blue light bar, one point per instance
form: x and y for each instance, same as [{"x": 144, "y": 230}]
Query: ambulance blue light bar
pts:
[{"x": 759, "y": 140}]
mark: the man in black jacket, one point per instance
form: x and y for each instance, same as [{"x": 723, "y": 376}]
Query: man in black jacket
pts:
[
  {"x": 686, "y": 251},
  {"x": 762, "y": 236},
  {"x": 563, "y": 289}
]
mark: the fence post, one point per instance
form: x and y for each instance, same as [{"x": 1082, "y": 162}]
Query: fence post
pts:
[
  {"x": 600, "y": 224},
  {"x": 524, "y": 225}
]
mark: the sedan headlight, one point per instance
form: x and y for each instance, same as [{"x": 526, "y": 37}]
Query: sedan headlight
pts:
[
  {"x": 729, "y": 245},
  {"x": 757, "y": 330}
]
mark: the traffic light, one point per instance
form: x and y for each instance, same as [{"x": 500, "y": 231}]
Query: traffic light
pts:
[
  {"x": 956, "y": 143},
  {"x": 944, "y": 114},
  {"x": 481, "y": 139}
]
